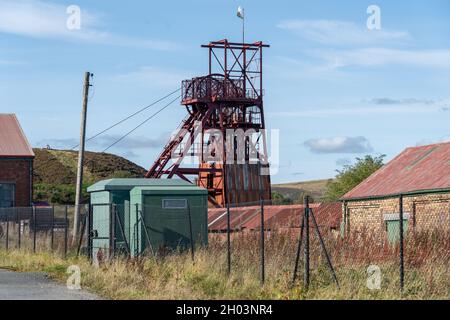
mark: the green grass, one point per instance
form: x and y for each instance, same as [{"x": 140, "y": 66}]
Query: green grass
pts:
[{"x": 177, "y": 277}]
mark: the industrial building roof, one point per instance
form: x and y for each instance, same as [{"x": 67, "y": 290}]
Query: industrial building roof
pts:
[
  {"x": 169, "y": 189},
  {"x": 329, "y": 215},
  {"x": 128, "y": 184},
  {"x": 249, "y": 217},
  {"x": 417, "y": 169},
  {"x": 13, "y": 142}
]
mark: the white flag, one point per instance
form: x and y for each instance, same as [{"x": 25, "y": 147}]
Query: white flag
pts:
[{"x": 240, "y": 12}]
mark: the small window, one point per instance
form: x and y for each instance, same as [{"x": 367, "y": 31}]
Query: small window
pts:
[
  {"x": 174, "y": 203},
  {"x": 7, "y": 191}
]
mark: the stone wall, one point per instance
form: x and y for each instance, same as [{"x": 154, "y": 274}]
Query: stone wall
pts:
[{"x": 424, "y": 212}]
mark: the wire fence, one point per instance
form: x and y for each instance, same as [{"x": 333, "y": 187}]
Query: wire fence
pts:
[
  {"x": 394, "y": 244},
  {"x": 39, "y": 229}
]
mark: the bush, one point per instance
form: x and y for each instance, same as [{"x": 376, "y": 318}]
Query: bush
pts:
[
  {"x": 352, "y": 175},
  {"x": 58, "y": 193}
]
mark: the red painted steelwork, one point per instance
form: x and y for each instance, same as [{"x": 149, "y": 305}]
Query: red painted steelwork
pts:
[{"x": 230, "y": 97}]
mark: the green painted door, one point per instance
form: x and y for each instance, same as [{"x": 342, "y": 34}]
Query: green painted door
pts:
[
  {"x": 168, "y": 227},
  {"x": 393, "y": 230},
  {"x": 100, "y": 224}
]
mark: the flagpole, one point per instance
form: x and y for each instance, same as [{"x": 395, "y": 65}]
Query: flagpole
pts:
[{"x": 243, "y": 26}]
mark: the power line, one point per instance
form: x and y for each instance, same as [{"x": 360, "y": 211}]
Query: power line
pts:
[
  {"x": 123, "y": 120},
  {"x": 141, "y": 124},
  {"x": 128, "y": 117}
]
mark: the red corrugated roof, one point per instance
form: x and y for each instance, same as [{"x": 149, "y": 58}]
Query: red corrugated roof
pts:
[
  {"x": 249, "y": 217},
  {"x": 13, "y": 142},
  {"x": 329, "y": 215},
  {"x": 415, "y": 169}
]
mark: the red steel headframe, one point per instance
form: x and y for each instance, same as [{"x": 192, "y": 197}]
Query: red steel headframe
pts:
[{"x": 229, "y": 97}]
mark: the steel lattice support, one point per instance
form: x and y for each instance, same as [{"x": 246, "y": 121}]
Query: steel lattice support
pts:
[{"x": 224, "y": 127}]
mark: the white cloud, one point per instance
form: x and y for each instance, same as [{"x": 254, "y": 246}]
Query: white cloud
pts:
[
  {"x": 425, "y": 142},
  {"x": 149, "y": 75},
  {"x": 375, "y": 106},
  {"x": 375, "y": 57},
  {"x": 333, "y": 32},
  {"x": 339, "y": 145},
  {"x": 361, "y": 111},
  {"x": 39, "y": 19},
  {"x": 9, "y": 62},
  {"x": 341, "y": 162},
  {"x": 365, "y": 48},
  {"x": 131, "y": 142},
  {"x": 391, "y": 101}
]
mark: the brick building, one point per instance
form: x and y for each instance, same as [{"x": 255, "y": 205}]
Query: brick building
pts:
[
  {"x": 16, "y": 164},
  {"x": 421, "y": 175}
]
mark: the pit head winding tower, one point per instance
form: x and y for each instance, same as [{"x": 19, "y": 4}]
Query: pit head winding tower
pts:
[{"x": 224, "y": 128}]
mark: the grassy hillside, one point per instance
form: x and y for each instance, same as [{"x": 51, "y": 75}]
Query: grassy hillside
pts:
[
  {"x": 55, "y": 176},
  {"x": 55, "y": 172},
  {"x": 314, "y": 188}
]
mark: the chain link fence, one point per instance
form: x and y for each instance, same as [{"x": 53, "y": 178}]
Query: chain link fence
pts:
[
  {"x": 39, "y": 229},
  {"x": 399, "y": 244},
  {"x": 395, "y": 244}
]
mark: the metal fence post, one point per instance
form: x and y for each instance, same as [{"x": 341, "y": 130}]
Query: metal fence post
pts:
[
  {"x": 137, "y": 230},
  {"x": 7, "y": 232},
  {"x": 322, "y": 243},
  {"x": 263, "y": 276},
  {"x": 34, "y": 229},
  {"x": 122, "y": 231},
  {"x": 66, "y": 226},
  {"x": 144, "y": 226},
  {"x": 306, "y": 262},
  {"x": 18, "y": 227},
  {"x": 190, "y": 233},
  {"x": 89, "y": 232},
  {"x": 228, "y": 240},
  {"x": 53, "y": 228},
  {"x": 345, "y": 221},
  {"x": 112, "y": 230},
  {"x": 82, "y": 233},
  {"x": 402, "y": 274},
  {"x": 299, "y": 247}
]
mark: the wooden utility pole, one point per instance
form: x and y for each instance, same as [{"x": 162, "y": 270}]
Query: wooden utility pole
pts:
[{"x": 78, "y": 194}]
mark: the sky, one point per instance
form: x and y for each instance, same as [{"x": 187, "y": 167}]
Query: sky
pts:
[{"x": 334, "y": 89}]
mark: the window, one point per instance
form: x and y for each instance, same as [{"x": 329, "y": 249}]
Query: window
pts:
[
  {"x": 174, "y": 203},
  {"x": 392, "y": 222},
  {"x": 7, "y": 192}
]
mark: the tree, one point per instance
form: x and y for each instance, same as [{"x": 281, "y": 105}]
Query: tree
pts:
[
  {"x": 302, "y": 195},
  {"x": 279, "y": 199},
  {"x": 352, "y": 175}
]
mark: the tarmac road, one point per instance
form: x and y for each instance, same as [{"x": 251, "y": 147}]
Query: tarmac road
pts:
[{"x": 36, "y": 286}]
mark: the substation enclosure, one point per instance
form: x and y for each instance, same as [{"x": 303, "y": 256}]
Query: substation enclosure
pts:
[
  {"x": 110, "y": 212},
  {"x": 165, "y": 218}
]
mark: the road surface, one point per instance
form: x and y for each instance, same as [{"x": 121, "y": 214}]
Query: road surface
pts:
[{"x": 36, "y": 286}]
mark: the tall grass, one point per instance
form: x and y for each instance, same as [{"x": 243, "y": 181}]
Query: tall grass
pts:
[{"x": 176, "y": 276}]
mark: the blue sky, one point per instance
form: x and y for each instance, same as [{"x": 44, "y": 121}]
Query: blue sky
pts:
[{"x": 334, "y": 89}]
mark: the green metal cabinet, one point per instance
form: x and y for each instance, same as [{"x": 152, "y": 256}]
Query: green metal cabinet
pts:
[
  {"x": 112, "y": 197},
  {"x": 165, "y": 217}
]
